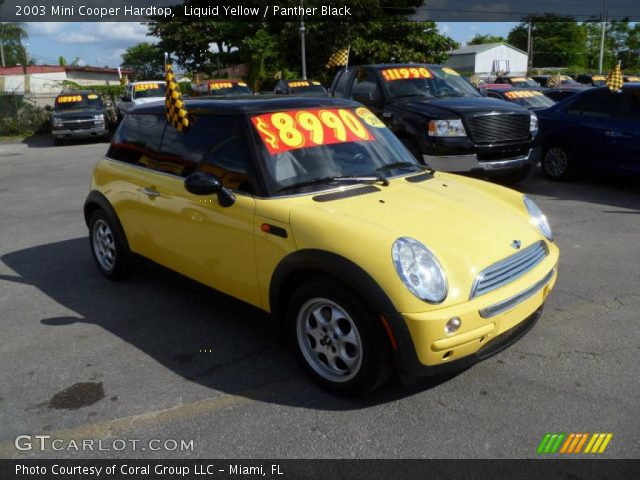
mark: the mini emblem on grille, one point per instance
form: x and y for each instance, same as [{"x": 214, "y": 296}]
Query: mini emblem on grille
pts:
[{"x": 516, "y": 244}]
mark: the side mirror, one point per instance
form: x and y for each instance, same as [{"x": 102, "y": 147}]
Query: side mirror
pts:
[
  {"x": 48, "y": 108},
  {"x": 203, "y": 183}
]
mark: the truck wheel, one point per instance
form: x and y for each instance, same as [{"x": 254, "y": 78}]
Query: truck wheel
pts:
[
  {"x": 338, "y": 338},
  {"x": 556, "y": 162},
  {"x": 107, "y": 247},
  {"x": 413, "y": 147}
]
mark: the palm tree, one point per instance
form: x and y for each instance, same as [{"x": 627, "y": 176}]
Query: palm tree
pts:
[{"x": 11, "y": 33}]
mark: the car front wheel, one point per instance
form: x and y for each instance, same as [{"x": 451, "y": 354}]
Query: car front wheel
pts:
[
  {"x": 339, "y": 340},
  {"x": 556, "y": 163},
  {"x": 107, "y": 247}
]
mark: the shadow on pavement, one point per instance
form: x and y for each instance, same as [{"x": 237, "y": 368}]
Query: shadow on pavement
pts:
[
  {"x": 606, "y": 189},
  {"x": 172, "y": 319},
  {"x": 46, "y": 141}
]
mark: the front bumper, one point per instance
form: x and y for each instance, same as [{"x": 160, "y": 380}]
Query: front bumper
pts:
[
  {"x": 470, "y": 163},
  {"x": 97, "y": 131},
  {"x": 490, "y": 323}
]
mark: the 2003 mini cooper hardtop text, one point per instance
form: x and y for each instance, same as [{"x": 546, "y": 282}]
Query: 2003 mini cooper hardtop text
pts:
[{"x": 310, "y": 209}]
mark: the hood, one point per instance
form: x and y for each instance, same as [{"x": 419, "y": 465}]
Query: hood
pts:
[
  {"x": 457, "y": 105},
  {"x": 466, "y": 225},
  {"x": 142, "y": 101},
  {"x": 78, "y": 113}
]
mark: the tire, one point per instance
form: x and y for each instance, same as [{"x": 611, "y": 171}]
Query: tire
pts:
[
  {"x": 556, "y": 163},
  {"x": 514, "y": 177},
  {"x": 108, "y": 248},
  {"x": 413, "y": 147},
  {"x": 338, "y": 338}
]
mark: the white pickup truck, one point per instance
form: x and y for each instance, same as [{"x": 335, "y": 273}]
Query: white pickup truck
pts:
[{"x": 137, "y": 93}]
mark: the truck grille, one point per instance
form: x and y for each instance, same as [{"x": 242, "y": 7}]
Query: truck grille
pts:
[
  {"x": 507, "y": 270},
  {"x": 496, "y": 128},
  {"x": 78, "y": 125}
]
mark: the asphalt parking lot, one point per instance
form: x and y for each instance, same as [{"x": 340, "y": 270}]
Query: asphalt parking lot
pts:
[{"x": 161, "y": 357}]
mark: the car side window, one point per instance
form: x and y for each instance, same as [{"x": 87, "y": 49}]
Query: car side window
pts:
[
  {"x": 598, "y": 103},
  {"x": 365, "y": 87},
  {"x": 340, "y": 90},
  {"x": 137, "y": 141},
  {"x": 214, "y": 144}
]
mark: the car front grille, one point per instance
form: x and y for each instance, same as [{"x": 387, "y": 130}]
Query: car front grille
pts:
[
  {"x": 496, "y": 128},
  {"x": 507, "y": 270},
  {"x": 79, "y": 125}
]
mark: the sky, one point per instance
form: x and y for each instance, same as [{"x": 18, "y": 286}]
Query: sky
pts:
[{"x": 102, "y": 44}]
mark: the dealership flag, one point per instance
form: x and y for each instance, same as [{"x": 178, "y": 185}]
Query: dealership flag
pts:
[
  {"x": 614, "y": 79},
  {"x": 339, "y": 58},
  {"x": 175, "y": 111}
]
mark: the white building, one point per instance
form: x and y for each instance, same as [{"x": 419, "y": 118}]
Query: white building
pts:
[{"x": 488, "y": 59}]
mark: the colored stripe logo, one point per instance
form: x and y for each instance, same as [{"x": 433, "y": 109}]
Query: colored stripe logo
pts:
[{"x": 574, "y": 442}]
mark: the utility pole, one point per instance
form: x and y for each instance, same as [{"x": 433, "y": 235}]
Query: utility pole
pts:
[
  {"x": 302, "y": 30},
  {"x": 604, "y": 27},
  {"x": 529, "y": 49}
]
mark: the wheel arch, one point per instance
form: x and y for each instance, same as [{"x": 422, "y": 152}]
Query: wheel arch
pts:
[{"x": 97, "y": 201}]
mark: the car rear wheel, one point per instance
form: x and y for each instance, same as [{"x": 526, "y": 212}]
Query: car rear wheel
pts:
[
  {"x": 107, "y": 247},
  {"x": 556, "y": 163},
  {"x": 339, "y": 340}
]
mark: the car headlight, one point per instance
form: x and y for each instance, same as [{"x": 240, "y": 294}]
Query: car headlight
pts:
[
  {"x": 56, "y": 122},
  {"x": 538, "y": 218},
  {"x": 446, "y": 128},
  {"x": 533, "y": 124},
  {"x": 98, "y": 118},
  {"x": 419, "y": 270}
]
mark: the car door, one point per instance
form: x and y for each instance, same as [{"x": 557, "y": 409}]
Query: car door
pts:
[
  {"x": 194, "y": 234},
  {"x": 626, "y": 132},
  {"x": 590, "y": 121}
]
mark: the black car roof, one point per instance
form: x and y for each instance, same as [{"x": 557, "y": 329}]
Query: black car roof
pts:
[{"x": 249, "y": 104}]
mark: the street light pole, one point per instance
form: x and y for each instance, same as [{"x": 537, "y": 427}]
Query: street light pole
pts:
[
  {"x": 604, "y": 27},
  {"x": 302, "y": 30}
]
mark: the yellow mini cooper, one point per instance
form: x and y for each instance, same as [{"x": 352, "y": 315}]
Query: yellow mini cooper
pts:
[{"x": 312, "y": 210}]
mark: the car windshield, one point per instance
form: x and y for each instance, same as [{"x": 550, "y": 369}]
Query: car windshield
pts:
[
  {"x": 315, "y": 149},
  {"x": 422, "y": 81},
  {"x": 73, "y": 101},
  {"x": 229, "y": 88},
  {"x": 529, "y": 98},
  {"x": 524, "y": 82},
  {"x": 306, "y": 87},
  {"x": 148, "y": 90}
]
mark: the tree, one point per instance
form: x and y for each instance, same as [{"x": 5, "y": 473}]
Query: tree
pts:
[
  {"x": 12, "y": 51},
  {"x": 480, "y": 39},
  {"x": 146, "y": 59},
  {"x": 558, "y": 41}
]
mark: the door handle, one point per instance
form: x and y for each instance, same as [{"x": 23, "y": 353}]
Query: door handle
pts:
[{"x": 152, "y": 192}]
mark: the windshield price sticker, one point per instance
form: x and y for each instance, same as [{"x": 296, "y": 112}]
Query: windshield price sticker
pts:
[
  {"x": 599, "y": 77},
  {"x": 220, "y": 85},
  {"x": 523, "y": 94},
  {"x": 391, "y": 74},
  {"x": 295, "y": 129},
  {"x": 69, "y": 99},
  {"x": 298, "y": 84},
  {"x": 145, "y": 86}
]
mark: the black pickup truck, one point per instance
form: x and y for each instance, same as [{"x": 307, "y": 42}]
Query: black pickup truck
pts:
[{"x": 444, "y": 121}]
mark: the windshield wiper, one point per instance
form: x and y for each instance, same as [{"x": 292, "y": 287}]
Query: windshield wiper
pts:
[
  {"x": 400, "y": 166},
  {"x": 337, "y": 178}
]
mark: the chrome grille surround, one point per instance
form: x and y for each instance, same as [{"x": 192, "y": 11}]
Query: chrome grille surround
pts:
[{"x": 509, "y": 269}]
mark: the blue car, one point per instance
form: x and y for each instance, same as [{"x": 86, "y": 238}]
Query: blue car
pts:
[{"x": 592, "y": 130}]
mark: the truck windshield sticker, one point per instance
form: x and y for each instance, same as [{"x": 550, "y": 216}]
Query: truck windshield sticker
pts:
[
  {"x": 145, "y": 86},
  {"x": 295, "y": 129},
  {"x": 69, "y": 99},
  {"x": 298, "y": 84},
  {"x": 220, "y": 85},
  {"x": 369, "y": 118},
  {"x": 391, "y": 74},
  {"x": 523, "y": 94}
]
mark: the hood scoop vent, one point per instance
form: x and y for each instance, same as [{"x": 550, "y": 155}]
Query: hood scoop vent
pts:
[{"x": 352, "y": 192}]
